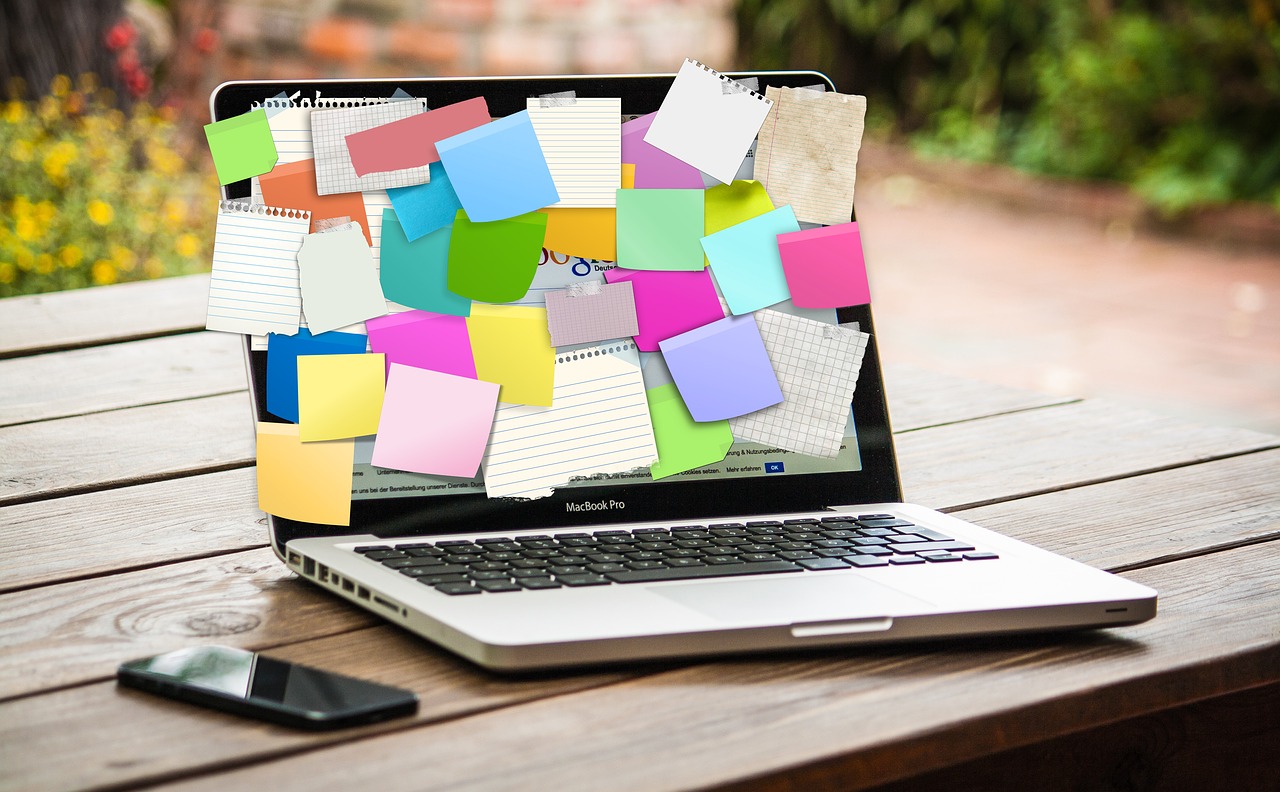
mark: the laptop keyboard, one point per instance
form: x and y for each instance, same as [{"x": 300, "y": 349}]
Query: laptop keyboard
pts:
[{"x": 647, "y": 555}]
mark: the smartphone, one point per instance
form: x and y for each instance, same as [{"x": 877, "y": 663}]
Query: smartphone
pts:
[{"x": 247, "y": 683}]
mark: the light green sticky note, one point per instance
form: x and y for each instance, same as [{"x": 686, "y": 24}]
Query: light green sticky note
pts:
[
  {"x": 660, "y": 229},
  {"x": 683, "y": 443},
  {"x": 242, "y": 147},
  {"x": 495, "y": 262}
]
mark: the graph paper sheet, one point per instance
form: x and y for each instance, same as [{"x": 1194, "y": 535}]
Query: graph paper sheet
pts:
[
  {"x": 817, "y": 365},
  {"x": 807, "y": 155},
  {"x": 334, "y": 171},
  {"x": 591, "y": 311},
  {"x": 254, "y": 285},
  {"x": 582, "y": 142}
]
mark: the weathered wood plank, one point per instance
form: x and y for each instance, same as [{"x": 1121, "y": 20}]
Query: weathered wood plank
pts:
[
  {"x": 101, "y": 315},
  {"x": 865, "y": 717},
  {"x": 115, "y": 376},
  {"x": 112, "y": 530},
  {"x": 919, "y": 398},
  {"x": 69, "y": 455}
]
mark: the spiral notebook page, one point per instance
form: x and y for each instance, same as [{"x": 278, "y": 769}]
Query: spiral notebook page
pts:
[
  {"x": 254, "y": 285},
  {"x": 598, "y": 424}
]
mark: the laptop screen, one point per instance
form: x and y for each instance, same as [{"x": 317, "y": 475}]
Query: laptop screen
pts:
[{"x": 611, "y": 396}]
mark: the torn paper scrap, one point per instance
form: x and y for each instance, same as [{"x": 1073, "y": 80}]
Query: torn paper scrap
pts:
[
  {"x": 424, "y": 340},
  {"x": 512, "y": 347},
  {"x": 308, "y": 482},
  {"x": 335, "y": 172},
  {"x": 411, "y": 142},
  {"x": 744, "y": 258},
  {"x": 434, "y": 423},
  {"x": 282, "y": 364},
  {"x": 683, "y": 443},
  {"x": 339, "y": 395},
  {"x": 498, "y": 170},
  {"x": 599, "y": 425},
  {"x": 495, "y": 261},
  {"x": 722, "y": 369},
  {"x": 824, "y": 267},
  {"x": 591, "y": 312},
  {"x": 254, "y": 285},
  {"x": 817, "y": 366},
  {"x": 339, "y": 282},
  {"x": 242, "y": 146},
  {"x": 655, "y": 169},
  {"x": 669, "y": 303},
  {"x": 416, "y": 274},
  {"x": 660, "y": 229},
  {"x": 424, "y": 208},
  {"x": 583, "y": 148}
]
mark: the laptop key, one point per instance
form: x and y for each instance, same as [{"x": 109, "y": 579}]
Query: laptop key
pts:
[
  {"x": 822, "y": 563},
  {"x": 602, "y": 568},
  {"x": 606, "y": 558},
  {"x": 645, "y": 565},
  {"x": 682, "y": 562},
  {"x": 447, "y": 569},
  {"x": 454, "y": 589},
  {"x": 868, "y": 541},
  {"x": 692, "y": 572},
  {"x": 425, "y": 552},
  {"x": 867, "y": 561},
  {"x": 538, "y": 583},
  {"x": 981, "y": 555},
  {"x": 752, "y": 557},
  {"x": 491, "y": 575},
  {"x": 490, "y": 566},
  {"x": 723, "y": 560},
  {"x": 417, "y": 571},
  {"x": 903, "y": 560},
  {"x": 645, "y": 555},
  {"x": 873, "y": 551},
  {"x": 877, "y": 532},
  {"x": 932, "y": 536},
  {"x": 801, "y": 521},
  {"x": 382, "y": 555},
  {"x": 873, "y": 517},
  {"x": 400, "y": 563},
  {"x": 585, "y": 579},
  {"x": 943, "y": 557},
  {"x": 497, "y": 586},
  {"x": 528, "y": 563},
  {"x": 369, "y": 549},
  {"x": 568, "y": 569},
  {"x": 904, "y": 538},
  {"x": 796, "y": 555},
  {"x": 835, "y": 552},
  {"x": 432, "y": 580},
  {"x": 924, "y": 547}
]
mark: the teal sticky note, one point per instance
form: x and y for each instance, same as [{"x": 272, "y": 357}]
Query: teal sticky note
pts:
[
  {"x": 660, "y": 229},
  {"x": 495, "y": 261},
  {"x": 416, "y": 273},
  {"x": 424, "y": 208},
  {"x": 498, "y": 170},
  {"x": 242, "y": 147},
  {"x": 745, "y": 260}
]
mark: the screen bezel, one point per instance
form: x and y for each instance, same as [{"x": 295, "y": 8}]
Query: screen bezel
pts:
[{"x": 876, "y": 482}]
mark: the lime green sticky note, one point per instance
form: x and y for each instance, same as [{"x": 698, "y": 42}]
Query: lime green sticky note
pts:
[
  {"x": 683, "y": 443},
  {"x": 242, "y": 147},
  {"x": 660, "y": 229},
  {"x": 495, "y": 262},
  {"x": 730, "y": 204}
]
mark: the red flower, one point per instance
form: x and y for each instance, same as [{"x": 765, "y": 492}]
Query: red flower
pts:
[{"x": 121, "y": 35}]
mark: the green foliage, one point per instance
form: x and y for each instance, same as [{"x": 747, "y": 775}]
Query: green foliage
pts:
[{"x": 1179, "y": 98}]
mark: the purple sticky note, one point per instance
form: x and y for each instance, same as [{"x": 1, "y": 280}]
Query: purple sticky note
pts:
[
  {"x": 425, "y": 340},
  {"x": 655, "y": 168},
  {"x": 669, "y": 303},
  {"x": 434, "y": 423},
  {"x": 824, "y": 267},
  {"x": 722, "y": 370}
]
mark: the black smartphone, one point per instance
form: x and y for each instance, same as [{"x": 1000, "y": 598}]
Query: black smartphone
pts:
[{"x": 247, "y": 683}]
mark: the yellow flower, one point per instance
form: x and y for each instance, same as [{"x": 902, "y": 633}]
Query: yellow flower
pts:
[
  {"x": 26, "y": 228},
  {"x": 175, "y": 213},
  {"x": 88, "y": 82},
  {"x": 15, "y": 111},
  {"x": 101, "y": 212},
  {"x": 146, "y": 222},
  {"x": 103, "y": 272},
  {"x": 71, "y": 256},
  {"x": 56, "y": 161},
  {"x": 26, "y": 259},
  {"x": 22, "y": 151},
  {"x": 46, "y": 212},
  {"x": 60, "y": 85},
  {"x": 44, "y": 263},
  {"x": 123, "y": 257},
  {"x": 48, "y": 109},
  {"x": 188, "y": 245},
  {"x": 154, "y": 267},
  {"x": 8, "y": 272}
]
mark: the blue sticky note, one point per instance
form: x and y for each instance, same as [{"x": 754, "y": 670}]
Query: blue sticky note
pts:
[
  {"x": 416, "y": 273},
  {"x": 745, "y": 260},
  {"x": 282, "y": 364},
  {"x": 498, "y": 170},
  {"x": 424, "y": 208},
  {"x": 722, "y": 369}
]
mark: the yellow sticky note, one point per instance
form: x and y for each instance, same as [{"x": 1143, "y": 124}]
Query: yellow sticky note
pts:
[
  {"x": 589, "y": 233},
  {"x": 729, "y": 204},
  {"x": 340, "y": 395},
  {"x": 628, "y": 176},
  {"x": 310, "y": 482},
  {"x": 512, "y": 347}
]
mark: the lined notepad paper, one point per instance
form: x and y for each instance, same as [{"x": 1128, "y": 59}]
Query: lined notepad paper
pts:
[
  {"x": 254, "y": 285},
  {"x": 807, "y": 155},
  {"x": 817, "y": 366},
  {"x": 598, "y": 424},
  {"x": 582, "y": 141},
  {"x": 334, "y": 170}
]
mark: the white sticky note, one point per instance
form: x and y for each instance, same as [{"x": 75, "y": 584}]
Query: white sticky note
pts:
[{"x": 339, "y": 281}]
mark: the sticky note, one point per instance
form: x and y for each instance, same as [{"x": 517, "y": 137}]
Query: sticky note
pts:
[
  {"x": 282, "y": 364},
  {"x": 338, "y": 280},
  {"x": 722, "y": 370},
  {"x": 745, "y": 260},
  {"x": 434, "y": 423},
  {"x": 293, "y": 186},
  {"x": 416, "y": 274},
  {"x": 628, "y": 176},
  {"x": 655, "y": 169},
  {"x": 589, "y": 233},
  {"x": 498, "y": 170},
  {"x": 424, "y": 208},
  {"x": 512, "y": 347},
  {"x": 683, "y": 443},
  {"x": 424, "y": 340},
  {"x": 309, "y": 482},
  {"x": 824, "y": 267},
  {"x": 730, "y": 204},
  {"x": 591, "y": 311},
  {"x": 339, "y": 395},
  {"x": 411, "y": 142},
  {"x": 242, "y": 147},
  {"x": 669, "y": 303},
  {"x": 335, "y": 172},
  {"x": 495, "y": 261},
  {"x": 660, "y": 229}
]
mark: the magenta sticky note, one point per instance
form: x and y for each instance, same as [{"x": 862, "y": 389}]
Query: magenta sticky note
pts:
[
  {"x": 434, "y": 423},
  {"x": 824, "y": 266},
  {"x": 424, "y": 340},
  {"x": 669, "y": 303},
  {"x": 655, "y": 168}
]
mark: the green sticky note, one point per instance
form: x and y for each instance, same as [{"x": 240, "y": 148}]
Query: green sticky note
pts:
[
  {"x": 660, "y": 229},
  {"x": 683, "y": 443},
  {"x": 242, "y": 147},
  {"x": 495, "y": 262},
  {"x": 730, "y": 204},
  {"x": 416, "y": 273}
]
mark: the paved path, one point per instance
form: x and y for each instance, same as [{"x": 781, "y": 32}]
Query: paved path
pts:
[{"x": 1064, "y": 305}]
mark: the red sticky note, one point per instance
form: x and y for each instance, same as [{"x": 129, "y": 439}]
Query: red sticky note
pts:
[
  {"x": 411, "y": 142},
  {"x": 669, "y": 302},
  {"x": 824, "y": 266}
]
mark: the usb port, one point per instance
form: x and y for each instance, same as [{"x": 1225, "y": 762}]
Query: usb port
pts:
[
  {"x": 347, "y": 585},
  {"x": 324, "y": 574},
  {"x": 362, "y": 592},
  {"x": 309, "y": 567}
]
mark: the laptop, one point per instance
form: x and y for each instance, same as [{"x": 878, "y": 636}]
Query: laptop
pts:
[{"x": 765, "y": 550}]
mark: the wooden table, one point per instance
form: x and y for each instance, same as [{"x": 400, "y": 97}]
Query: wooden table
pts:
[{"x": 128, "y": 527}]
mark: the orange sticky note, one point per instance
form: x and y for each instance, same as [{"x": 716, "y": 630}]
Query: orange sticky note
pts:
[
  {"x": 628, "y": 176},
  {"x": 589, "y": 233},
  {"x": 310, "y": 482},
  {"x": 293, "y": 186}
]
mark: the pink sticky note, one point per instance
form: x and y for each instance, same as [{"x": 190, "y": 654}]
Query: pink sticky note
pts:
[
  {"x": 411, "y": 142},
  {"x": 824, "y": 266},
  {"x": 434, "y": 423},
  {"x": 669, "y": 303},
  {"x": 655, "y": 168},
  {"x": 424, "y": 340}
]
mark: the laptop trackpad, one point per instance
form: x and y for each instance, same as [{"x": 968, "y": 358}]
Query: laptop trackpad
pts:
[{"x": 793, "y": 598}]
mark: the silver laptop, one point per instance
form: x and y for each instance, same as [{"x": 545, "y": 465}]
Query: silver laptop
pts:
[{"x": 766, "y": 550}]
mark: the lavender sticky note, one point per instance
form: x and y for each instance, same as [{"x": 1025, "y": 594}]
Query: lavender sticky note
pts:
[
  {"x": 824, "y": 267},
  {"x": 668, "y": 303},
  {"x": 424, "y": 340},
  {"x": 722, "y": 370},
  {"x": 434, "y": 423},
  {"x": 655, "y": 168}
]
